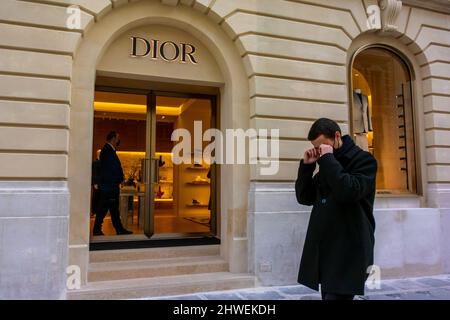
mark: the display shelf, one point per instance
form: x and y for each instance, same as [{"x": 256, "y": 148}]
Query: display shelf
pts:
[
  {"x": 201, "y": 205},
  {"x": 197, "y": 168},
  {"x": 402, "y": 130},
  {"x": 165, "y": 179},
  {"x": 198, "y": 183}
]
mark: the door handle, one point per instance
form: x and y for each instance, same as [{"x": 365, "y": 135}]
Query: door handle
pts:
[
  {"x": 156, "y": 173},
  {"x": 145, "y": 170}
]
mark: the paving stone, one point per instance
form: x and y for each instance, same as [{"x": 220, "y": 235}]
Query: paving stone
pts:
[
  {"x": 440, "y": 294},
  {"x": 311, "y": 297},
  {"x": 416, "y": 295},
  {"x": 263, "y": 295},
  {"x": 296, "y": 290},
  {"x": 381, "y": 297},
  {"x": 186, "y": 297},
  {"x": 406, "y": 284},
  {"x": 222, "y": 296},
  {"x": 292, "y": 297},
  {"x": 426, "y": 288},
  {"x": 433, "y": 282},
  {"x": 383, "y": 288}
]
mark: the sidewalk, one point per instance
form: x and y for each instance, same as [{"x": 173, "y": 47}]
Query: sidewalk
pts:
[{"x": 423, "y": 288}]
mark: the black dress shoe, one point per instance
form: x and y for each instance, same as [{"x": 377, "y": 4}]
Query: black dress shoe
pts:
[
  {"x": 124, "y": 231},
  {"x": 98, "y": 233}
]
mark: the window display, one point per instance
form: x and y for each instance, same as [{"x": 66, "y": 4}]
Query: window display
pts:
[{"x": 382, "y": 117}]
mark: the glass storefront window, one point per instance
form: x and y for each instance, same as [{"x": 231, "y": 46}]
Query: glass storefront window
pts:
[
  {"x": 382, "y": 118},
  {"x": 159, "y": 198}
]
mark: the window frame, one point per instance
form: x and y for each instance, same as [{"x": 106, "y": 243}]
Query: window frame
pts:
[{"x": 410, "y": 69}]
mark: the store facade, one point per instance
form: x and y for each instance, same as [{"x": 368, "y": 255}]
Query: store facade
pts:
[{"x": 149, "y": 67}]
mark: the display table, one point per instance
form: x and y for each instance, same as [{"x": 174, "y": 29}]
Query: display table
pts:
[{"x": 126, "y": 213}]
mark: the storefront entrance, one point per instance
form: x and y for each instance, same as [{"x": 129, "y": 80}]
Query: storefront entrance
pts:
[
  {"x": 160, "y": 197},
  {"x": 106, "y": 58}
]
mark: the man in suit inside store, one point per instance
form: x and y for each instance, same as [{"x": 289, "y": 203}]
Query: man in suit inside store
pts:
[
  {"x": 95, "y": 182},
  {"x": 111, "y": 176}
]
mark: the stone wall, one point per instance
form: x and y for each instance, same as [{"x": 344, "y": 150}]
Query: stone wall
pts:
[{"x": 296, "y": 56}]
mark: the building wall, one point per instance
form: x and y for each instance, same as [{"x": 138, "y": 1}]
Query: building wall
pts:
[{"x": 296, "y": 55}]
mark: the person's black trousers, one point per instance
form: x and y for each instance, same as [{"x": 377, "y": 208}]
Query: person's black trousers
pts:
[
  {"x": 333, "y": 296},
  {"x": 109, "y": 201},
  {"x": 95, "y": 201}
]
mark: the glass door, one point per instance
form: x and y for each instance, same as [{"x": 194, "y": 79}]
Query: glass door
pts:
[
  {"x": 169, "y": 188},
  {"x": 149, "y": 167},
  {"x": 181, "y": 201},
  {"x": 125, "y": 112}
]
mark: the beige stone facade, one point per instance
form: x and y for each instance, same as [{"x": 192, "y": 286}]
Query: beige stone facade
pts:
[{"x": 278, "y": 64}]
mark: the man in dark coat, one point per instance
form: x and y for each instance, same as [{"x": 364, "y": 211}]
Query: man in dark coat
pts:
[
  {"x": 338, "y": 249},
  {"x": 111, "y": 176},
  {"x": 95, "y": 182}
]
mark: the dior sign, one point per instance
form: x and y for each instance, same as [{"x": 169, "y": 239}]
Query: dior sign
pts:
[{"x": 167, "y": 50}]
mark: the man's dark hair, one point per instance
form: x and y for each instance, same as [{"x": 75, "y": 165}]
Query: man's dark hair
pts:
[
  {"x": 111, "y": 135},
  {"x": 324, "y": 126}
]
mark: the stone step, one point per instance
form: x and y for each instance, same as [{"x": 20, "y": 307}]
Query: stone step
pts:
[
  {"x": 116, "y": 270},
  {"x": 153, "y": 253},
  {"x": 162, "y": 286}
]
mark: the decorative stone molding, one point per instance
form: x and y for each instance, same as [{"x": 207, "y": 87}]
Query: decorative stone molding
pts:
[
  {"x": 172, "y": 3},
  {"x": 437, "y": 5},
  {"x": 390, "y": 9}
]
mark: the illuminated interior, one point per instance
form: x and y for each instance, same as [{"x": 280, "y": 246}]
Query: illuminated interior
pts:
[
  {"x": 384, "y": 78},
  {"x": 360, "y": 82},
  {"x": 182, "y": 193},
  {"x": 109, "y": 102}
]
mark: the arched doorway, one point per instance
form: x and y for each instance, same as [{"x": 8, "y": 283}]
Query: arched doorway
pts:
[
  {"x": 234, "y": 114},
  {"x": 383, "y": 116},
  {"x": 153, "y": 82}
]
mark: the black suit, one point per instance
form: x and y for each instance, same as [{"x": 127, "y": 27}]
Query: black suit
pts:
[
  {"x": 111, "y": 173},
  {"x": 95, "y": 202},
  {"x": 111, "y": 176}
]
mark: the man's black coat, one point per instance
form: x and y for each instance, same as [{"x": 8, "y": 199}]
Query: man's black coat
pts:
[
  {"x": 96, "y": 173},
  {"x": 111, "y": 173},
  {"x": 340, "y": 239}
]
